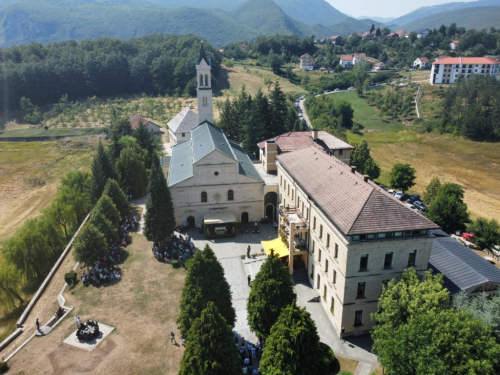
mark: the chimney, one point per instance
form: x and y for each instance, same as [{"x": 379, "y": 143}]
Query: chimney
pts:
[
  {"x": 366, "y": 178},
  {"x": 353, "y": 169},
  {"x": 314, "y": 134}
]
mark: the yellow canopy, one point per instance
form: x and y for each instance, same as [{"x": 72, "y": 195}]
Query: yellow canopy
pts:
[
  {"x": 219, "y": 218},
  {"x": 277, "y": 246}
]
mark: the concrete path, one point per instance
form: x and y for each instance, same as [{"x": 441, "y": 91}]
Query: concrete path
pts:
[
  {"x": 229, "y": 251},
  {"x": 141, "y": 202}
]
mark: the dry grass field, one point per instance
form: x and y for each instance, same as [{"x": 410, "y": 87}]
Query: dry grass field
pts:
[{"x": 142, "y": 307}]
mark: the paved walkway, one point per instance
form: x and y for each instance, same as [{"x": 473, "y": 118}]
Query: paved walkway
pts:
[
  {"x": 229, "y": 251},
  {"x": 141, "y": 202}
]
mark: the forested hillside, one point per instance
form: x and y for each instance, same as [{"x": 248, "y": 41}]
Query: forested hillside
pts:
[{"x": 153, "y": 64}]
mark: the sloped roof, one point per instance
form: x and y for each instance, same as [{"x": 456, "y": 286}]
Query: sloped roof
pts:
[
  {"x": 184, "y": 122},
  {"x": 136, "y": 120},
  {"x": 293, "y": 141},
  {"x": 206, "y": 138},
  {"x": 305, "y": 56},
  {"x": 165, "y": 161},
  {"x": 335, "y": 37},
  {"x": 462, "y": 268},
  {"x": 456, "y": 41},
  {"x": 346, "y": 57},
  {"x": 423, "y": 59},
  {"x": 353, "y": 205},
  {"x": 466, "y": 60}
]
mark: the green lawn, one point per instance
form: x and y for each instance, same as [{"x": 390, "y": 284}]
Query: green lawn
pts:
[{"x": 40, "y": 132}]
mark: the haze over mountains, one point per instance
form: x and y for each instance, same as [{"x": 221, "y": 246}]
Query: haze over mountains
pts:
[{"x": 218, "y": 21}]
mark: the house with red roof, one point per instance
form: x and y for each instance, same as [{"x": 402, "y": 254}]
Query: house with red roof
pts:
[
  {"x": 307, "y": 62},
  {"x": 368, "y": 35},
  {"x": 454, "y": 45},
  {"x": 447, "y": 69},
  {"x": 336, "y": 40},
  {"x": 421, "y": 62},
  {"x": 136, "y": 120}
]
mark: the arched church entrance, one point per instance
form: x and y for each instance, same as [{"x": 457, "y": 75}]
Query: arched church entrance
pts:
[
  {"x": 244, "y": 218},
  {"x": 191, "y": 222},
  {"x": 270, "y": 205}
]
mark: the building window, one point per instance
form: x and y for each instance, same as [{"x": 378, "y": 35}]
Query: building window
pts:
[
  {"x": 412, "y": 257},
  {"x": 318, "y": 282},
  {"x": 201, "y": 80},
  {"x": 319, "y": 256},
  {"x": 358, "y": 318},
  {"x": 384, "y": 285},
  {"x": 332, "y": 306},
  {"x": 205, "y": 101},
  {"x": 324, "y": 292},
  {"x": 388, "y": 260},
  {"x": 334, "y": 277},
  {"x": 314, "y": 223},
  {"x": 206, "y": 80},
  {"x": 183, "y": 135},
  {"x": 293, "y": 194},
  {"x": 363, "y": 263},
  {"x": 328, "y": 240},
  {"x": 288, "y": 190},
  {"x": 320, "y": 231},
  {"x": 341, "y": 152},
  {"x": 336, "y": 253},
  {"x": 281, "y": 180},
  {"x": 313, "y": 246},
  {"x": 361, "y": 290},
  {"x": 230, "y": 195},
  {"x": 326, "y": 265},
  {"x": 203, "y": 196}
]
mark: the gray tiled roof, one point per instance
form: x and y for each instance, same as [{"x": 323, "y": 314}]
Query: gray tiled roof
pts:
[
  {"x": 354, "y": 206},
  {"x": 184, "y": 122},
  {"x": 462, "y": 268},
  {"x": 205, "y": 139},
  {"x": 181, "y": 165},
  {"x": 246, "y": 166}
]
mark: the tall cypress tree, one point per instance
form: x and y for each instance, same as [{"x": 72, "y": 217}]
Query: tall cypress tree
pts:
[
  {"x": 159, "y": 220},
  {"x": 293, "y": 346},
  {"x": 113, "y": 190},
  {"x": 133, "y": 175},
  {"x": 205, "y": 282},
  {"x": 271, "y": 292},
  {"x": 107, "y": 208},
  {"x": 102, "y": 169},
  {"x": 210, "y": 348},
  {"x": 278, "y": 111}
]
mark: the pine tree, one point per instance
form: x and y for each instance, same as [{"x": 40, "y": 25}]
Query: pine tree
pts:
[
  {"x": 107, "y": 208},
  {"x": 90, "y": 245},
  {"x": 205, "y": 282},
  {"x": 278, "y": 111},
  {"x": 254, "y": 125},
  {"x": 102, "y": 169},
  {"x": 293, "y": 346},
  {"x": 103, "y": 225},
  {"x": 210, "y": 348},
  {"x": 364, "y": 163},
  {"x": 271, "y": 292},
  {"x": 431, "y": 191},
  {"x": 159, "y": 219},
  {"x": 112, "y": 190}
]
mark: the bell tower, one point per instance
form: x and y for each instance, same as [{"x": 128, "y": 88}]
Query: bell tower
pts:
[{"x": 204, "y": 90}]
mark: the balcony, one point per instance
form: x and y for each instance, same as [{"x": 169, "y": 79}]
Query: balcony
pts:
[{"x": 291, "y": 218}]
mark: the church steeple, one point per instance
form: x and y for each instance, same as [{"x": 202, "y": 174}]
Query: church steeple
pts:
[{"x": 204, "y": 89}]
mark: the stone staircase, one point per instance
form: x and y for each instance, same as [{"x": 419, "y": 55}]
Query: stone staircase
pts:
[{"x": 301, "y": 277}]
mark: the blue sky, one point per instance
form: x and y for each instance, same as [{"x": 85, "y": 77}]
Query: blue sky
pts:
[{"x": 384, "y": 8}]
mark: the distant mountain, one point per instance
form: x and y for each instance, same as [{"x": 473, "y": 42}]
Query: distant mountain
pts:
[
  {"x": 46, "y": 21},
  {"x": 378, "y": 19},
  {"x": 474, "y": 18},
  {"x": 429, "y": 11}
]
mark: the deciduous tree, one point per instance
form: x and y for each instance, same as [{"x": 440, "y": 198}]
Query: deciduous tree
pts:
[
  {"x": 89, "y": 245},
  {"x": 272, "y": 291},
  {"x": 486, "y": 232},
  {"x": 210, "y": 348},
  {"x": 364, "y": 163},
  {"x": 133, "y": 174},
  {"x": 402, "y": 176},
  {"x": 449, "y": 212},
  {"x": 431, "y": 191}
]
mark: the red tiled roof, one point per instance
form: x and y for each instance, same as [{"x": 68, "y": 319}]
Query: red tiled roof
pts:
[
  {"x": 135, "y": 120},
  {"x": 335, "y": 37},
  {"x": 355, "y": 206},
  {"x": 346, "y": 57},
  {"x": 399, "y": 32},
  {"x": 466, "y": 60},
  {"x": 379, "y": 64},
  {"x": 366, "y": 33},
  {"x": 391, "y": 34},
  {"x": 298, "y": 140},
  {"x": 305, "y": 55},
  {"x": 423, "y": 59},
  {"x": 455, "y": 41}
]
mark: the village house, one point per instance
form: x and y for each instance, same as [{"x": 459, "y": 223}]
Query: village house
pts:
[
  {"x": 421, "y": 62},
  {"x": 447, "y": 69},
  {"x": 422, "y": 33},
  {"x": 454, "y": 45},
  {"x": 336, "y": 40},
  {"x": 307, "y": 62},
  {"x": 243, "y": 47},
  {"x": 293, "y": 141},
  {"x": 368, "y": 35},
  {"x": 379, "y": 66},
  {"x": 351, "y": 234},
  {"x": 346, "y": 61},
  {"x": 400, "y": 33},
  {"x": 136, "y": 120}
]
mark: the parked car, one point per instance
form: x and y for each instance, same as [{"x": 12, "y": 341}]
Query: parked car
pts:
[
  {"x": 351, "y": 88},
  {"x": 327, "y": 91},
  {"x": 399, "y": 195},
  {"x": 302, "y": 97},
  {"x": 382, "y": 186},
  {"x": 413, "y": 198},
  {"x": 496, "y": 250},
  {"x": 468, "y": 236},
  {"x": 336, "y": 90},
  {"x": 420, "y": 205},
  {"x": 391, "y": 191},
  {"x": 411, "y": 206}
]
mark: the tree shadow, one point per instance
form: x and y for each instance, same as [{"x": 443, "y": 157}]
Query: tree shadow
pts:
[{"x": 222, "y": 82}]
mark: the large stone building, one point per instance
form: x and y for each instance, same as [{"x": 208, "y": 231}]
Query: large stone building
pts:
[
  {"x": 352, "y": 235},
  {"x": 208, "y": 174}
]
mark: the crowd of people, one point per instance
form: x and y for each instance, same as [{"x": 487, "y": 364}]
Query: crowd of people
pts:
[
  {"x": 178, "y": 247},
  {"x": 106, "y": 270},
  {"x": 250, "y": 355}
]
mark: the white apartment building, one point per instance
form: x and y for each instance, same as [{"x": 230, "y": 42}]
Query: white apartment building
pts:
[
  {"x": 307, "y": 62},
  {"x": 352, "y": 235},
  {"x": 447, "y": 69}
]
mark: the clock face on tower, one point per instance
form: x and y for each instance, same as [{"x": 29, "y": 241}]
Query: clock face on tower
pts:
[{"x": 217, "y": 196}]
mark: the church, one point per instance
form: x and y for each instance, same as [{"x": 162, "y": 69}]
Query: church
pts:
[{"x": 212, "y": 180}]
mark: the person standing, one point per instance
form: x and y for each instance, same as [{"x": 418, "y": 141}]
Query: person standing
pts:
[
  {"x": 172, "y": 338},
  {"x": 248, "y": 251},
  {"x": 249, "y": 278},
  {"x": 37, "y": 325},
  {"x": 76, "y": 322}
]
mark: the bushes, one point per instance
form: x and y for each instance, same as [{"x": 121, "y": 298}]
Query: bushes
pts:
[
  {"x": 327, "y": 358},
  {"x": 70, "y": 277},
  {"x": 175, "y": 263},
  {"x": 3, "y": 367}
]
